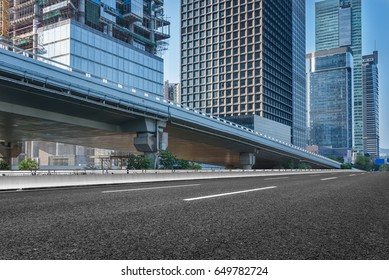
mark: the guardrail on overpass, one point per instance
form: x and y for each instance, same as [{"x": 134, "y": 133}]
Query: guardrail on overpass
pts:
[{"x": 60, "y": 79}]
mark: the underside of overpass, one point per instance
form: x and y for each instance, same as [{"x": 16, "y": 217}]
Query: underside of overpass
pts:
[
  {"x": 206, "y": 148},
  {"x": 184, "y": 143},
  {"x": 36, "y": 111}
]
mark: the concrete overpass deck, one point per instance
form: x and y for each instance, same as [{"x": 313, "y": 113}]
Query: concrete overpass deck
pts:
[{"x": 41, "y": 101}]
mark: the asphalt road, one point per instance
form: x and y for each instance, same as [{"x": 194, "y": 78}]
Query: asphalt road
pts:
[{"x": 326, "y": 216}]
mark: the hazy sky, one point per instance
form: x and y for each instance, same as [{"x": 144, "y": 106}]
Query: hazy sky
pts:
[{"x": 375, "y": 32}]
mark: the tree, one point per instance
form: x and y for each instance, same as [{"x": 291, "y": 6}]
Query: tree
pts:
[
  {"x": 183, "y": 164},
  {"x": 384, "y": 167},
  {"x": 346, "y": 165},
  {"x": 168, "y": 160},
  {"x": 291, "y": 164},
  {"x": 336, "y": 158},
  {"x": 364, "y": 163},
  {"x": 196, "y": 166},
  {"x": 138, "y": 162},
  {"x": 28, "y": 164},
  {"x": 3, "y": 165},
  {"x": 303, "y": 165}
]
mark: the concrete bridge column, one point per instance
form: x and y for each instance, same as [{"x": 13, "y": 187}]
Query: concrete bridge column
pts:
[
  {"x": 247, "y": 160},
  {"x": 152, "y": 141},
  {"x": 10, "y": 150}
]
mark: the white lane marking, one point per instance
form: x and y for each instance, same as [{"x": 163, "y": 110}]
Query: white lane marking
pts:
[
  {"x": 352, "y": 175},
  {"x": 153, "y": 188},
  {"x": 278, "y": 178},
  {"x": 331, "y": 178},
  {"x": 230, "y": 193}
]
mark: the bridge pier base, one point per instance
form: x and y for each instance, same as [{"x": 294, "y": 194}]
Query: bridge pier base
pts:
[
  {"x": 247, "y": 160},
  {"x": 9, "y": 150},
  {"x": 152, "y": 142}
]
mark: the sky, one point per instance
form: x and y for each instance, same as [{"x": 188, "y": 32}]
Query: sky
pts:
[{"x": 375, "y": 36}]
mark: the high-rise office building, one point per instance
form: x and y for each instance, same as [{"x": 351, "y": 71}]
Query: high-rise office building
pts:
[
  {"x": 238, "y": 59},
  {"x": 330, "y": 100},
  {"x": 371, "y": 105},
  {"x": 117, "y": 40},
  {"x": 172, "y": 92},
  {"x": 299, "y": 131},
  {"x": 339, "y": 24}
]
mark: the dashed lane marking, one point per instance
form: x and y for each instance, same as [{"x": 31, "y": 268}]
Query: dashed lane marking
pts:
[
  {"x": 153, "y": 188},
  {"x": 230, "y": 193},
  {"x": 278, "y": 178},
  {"x": 331, "y": 178}
]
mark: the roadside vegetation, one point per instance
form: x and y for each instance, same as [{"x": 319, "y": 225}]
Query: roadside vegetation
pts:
[
  {"x": 292, "y": 164},
  {"x": 169, "y": 161},
  {"x": 384, "y": 167},
  {"x": 364, "y": 163},
  {"x": 28, "y": 164},
  {"x": 166, "y": 161},
  {"x": 3, "y": 165},
  {"x": 346, "y": 165},
  {"x": 138, "y": 162}
]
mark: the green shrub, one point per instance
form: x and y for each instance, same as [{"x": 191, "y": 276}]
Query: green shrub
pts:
[
  {"x": 303, "y": 165},
  {"x": 3, "y": 165},
  {"x": 196, "y": 167},
  {"x": 346, "y": 165},
  {"x": 138, "y": 162},
  {"x": 167, "y": 160},
  {"x": 364, "y": 163},
  {"x": 28, "y": 164}
]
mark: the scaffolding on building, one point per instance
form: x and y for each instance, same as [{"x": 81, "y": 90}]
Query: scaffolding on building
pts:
[
  {"x": 4, "y": 18},
  {"x": 141, "y": 23}
]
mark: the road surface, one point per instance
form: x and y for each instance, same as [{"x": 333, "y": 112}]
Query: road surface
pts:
[{"x": 321, "y": 216}]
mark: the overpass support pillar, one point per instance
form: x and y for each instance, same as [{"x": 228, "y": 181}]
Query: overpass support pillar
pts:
[
  {"x": 9, "y": 150},
  {"x": 247, "y": 160},
  {"x": 151, "y": 142}
]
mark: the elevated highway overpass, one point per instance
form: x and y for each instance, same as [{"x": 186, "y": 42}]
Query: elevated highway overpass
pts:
[{"x": 43, "y": 100}]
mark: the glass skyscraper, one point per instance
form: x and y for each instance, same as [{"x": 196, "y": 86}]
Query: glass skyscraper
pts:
[
  {"x": 371, "y": 104},
  {"x": 243, "y": 58},
  {"x": 339, "y": 24},
  {"x": 330, "y": 91},
  {"x": 119, "y": 41},
  {"x": 299, "y": 130}
]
